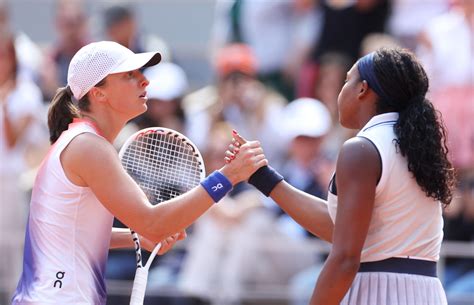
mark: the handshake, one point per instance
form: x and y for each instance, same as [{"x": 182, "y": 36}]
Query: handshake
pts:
[{"x": 263, "y": 177}]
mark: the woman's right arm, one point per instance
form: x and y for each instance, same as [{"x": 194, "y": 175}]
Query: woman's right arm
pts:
[
  {"x": 309, "y": 211},
  {"x": 91, "y": 161}
]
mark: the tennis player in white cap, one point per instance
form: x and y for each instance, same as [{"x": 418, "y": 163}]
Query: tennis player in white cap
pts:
[{"x": 81, "y": 184}]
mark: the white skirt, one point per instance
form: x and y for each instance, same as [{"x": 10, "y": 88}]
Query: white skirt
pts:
[{"x": 387, "y": 288}]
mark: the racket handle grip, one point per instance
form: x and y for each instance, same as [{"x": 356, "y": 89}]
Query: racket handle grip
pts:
[{"x": 139, "y": 287}]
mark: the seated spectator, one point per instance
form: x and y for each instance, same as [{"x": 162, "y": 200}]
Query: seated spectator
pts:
[
  {"x": 168, "y": 85},
  {"x": 305, "y": 123},
  {"x": 70, "y": 24},
  {"x": 409, "y": 17},
  {"x": 120, "y": 25},
  {"x": 238, "y": 98},
  {"x": 332, "y": 69},
  {"x": 452, "y": 78},
  {"x": 345, "y": 25},
  {"x": 29, "y": 55},
  {"x": 281, "y": 33}
]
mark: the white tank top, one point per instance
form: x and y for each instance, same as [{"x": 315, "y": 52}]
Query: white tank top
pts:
[
  {"x": 67, "y": 239},
  {"x": 405, "y": 222}
]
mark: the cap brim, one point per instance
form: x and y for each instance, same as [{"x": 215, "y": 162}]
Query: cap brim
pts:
[{"x": 137, "y": 61}]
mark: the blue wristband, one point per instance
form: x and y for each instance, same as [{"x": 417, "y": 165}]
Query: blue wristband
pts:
[{"x": 216, "y": 185}]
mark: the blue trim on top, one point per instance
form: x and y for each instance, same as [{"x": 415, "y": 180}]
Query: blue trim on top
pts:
[
  {"x": 381, "y": 123},
  {"x": 332, "y": 188},
  {"x": 383, "y": 118}
]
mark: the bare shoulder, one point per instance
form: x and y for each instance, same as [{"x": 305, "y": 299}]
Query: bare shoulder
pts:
[
  {"x": 358, "y": 154},
  {"x": 358, "y": 149},
  {"x": 85, "y": 154},
  {"x": 87, "y": 146}
]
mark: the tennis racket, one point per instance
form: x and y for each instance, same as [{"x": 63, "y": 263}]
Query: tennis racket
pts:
[{"x": 165, "y": 164}]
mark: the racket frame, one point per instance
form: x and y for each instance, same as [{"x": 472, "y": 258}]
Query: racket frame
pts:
[{"x": 141, "y": 275}]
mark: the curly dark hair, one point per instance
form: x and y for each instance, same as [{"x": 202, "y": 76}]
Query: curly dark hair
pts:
[{"x": 421, "y": 135}]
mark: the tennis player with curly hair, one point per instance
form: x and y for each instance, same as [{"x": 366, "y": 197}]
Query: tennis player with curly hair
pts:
[{"x": 383, "y": 215}]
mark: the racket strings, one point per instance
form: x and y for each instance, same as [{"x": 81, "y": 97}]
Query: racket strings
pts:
[{"x": 163, "y": 165}]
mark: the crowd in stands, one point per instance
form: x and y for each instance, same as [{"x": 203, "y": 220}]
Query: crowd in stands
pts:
[{"x": 278, "y": 67}]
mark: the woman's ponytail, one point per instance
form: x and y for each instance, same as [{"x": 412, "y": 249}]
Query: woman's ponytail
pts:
[
  {"x": 421, "y": 135},
  {"x": 61, "y": 113}
]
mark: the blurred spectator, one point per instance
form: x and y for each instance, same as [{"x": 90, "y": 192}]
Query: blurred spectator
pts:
[
  {"x": 240, "y": 99},
  {"x": 456, "y": 106},
  {"x": 20, "y": 105},
  {"x": 168, "y": 85},
  {"x": 70, "y": 23},
  {"x": 345, "y": 25},
  {"x": 121, "y": 26},
  {"x": 409, "y": 17},
  {"x": 446, "y": 46},
  {"x": 446, "y": 49},
  {"x": 333, "y": 68},
  {"x": 3, "y": 15},
  {"x": 304, "y": 124},
  {"x": 28, "y": 54},
  {"x": 280, "y": 33},
  {"x": 374, "y": 41}
]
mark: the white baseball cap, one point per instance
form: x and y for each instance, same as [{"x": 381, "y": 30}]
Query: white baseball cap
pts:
[
  {"x": 93, "y": 62},
  {"x": 306, "y": 117},
  {"x": 167, "y": 81}
]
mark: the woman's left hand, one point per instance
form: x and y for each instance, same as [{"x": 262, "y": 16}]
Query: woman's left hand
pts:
[{"x": 166, "y": 244}]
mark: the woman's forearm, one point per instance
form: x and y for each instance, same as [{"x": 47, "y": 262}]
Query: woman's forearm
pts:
[
  {"x": 121, "y": 239},
  {"x": 309, "y": 211},
  {"x": 335, "y": 280}
]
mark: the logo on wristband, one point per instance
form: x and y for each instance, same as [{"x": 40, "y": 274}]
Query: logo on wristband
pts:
[{"x": 217, "y": 187}]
